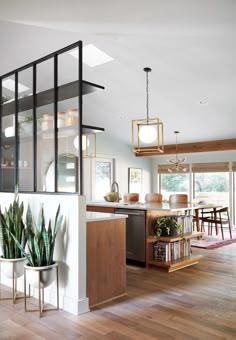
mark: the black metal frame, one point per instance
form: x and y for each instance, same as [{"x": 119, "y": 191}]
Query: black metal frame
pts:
[{"x": 33, "y": 65}]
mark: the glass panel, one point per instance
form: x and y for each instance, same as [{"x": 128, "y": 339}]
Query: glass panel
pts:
[
  {"x": 68, "y": 68},
  {"x": 67, "y": 122},
  {"x": 45, "y": 122},
  {"x": 103, "y": 178},
  {"x": 174, "y": 184},
  {"x": 234, "y": 199},
  {"x": 212, "y": 187},
  {"x": 68, "y": 172},
  {"x": 45, "y": 79},
  {"x": 25, "y": 130},
  {"x": 8, "y": 133}
]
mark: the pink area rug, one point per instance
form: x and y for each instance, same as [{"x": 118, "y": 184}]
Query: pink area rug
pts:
[
  {"x": 214, "y": 241},
  {"x": 209, "y": 243}
]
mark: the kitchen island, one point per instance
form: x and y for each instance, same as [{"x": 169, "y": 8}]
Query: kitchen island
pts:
[
  {"x": 106, "y": 271},
  {"x": 140, "y": 240}
]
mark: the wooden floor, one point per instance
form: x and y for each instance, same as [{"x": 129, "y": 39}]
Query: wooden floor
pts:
[{"x": 197, "y": 302}]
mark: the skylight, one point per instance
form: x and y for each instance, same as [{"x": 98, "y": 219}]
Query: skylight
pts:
[
  {"x": 10, "y": 85},
  {"x": 92, "y": 56}
]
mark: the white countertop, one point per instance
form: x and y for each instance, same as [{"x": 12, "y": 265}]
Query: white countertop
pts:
[
  {"x": 92, "y": 216},
  {"x": 163, "y": 206}
]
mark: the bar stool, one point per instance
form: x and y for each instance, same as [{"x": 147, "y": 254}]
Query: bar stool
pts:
[
  {"x": 178, "y": 198},
  {"x": 153, "y": 197},
  {"x": 133, "y": 197}
]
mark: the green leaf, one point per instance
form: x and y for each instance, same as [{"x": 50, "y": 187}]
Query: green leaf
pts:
[{"x": 47, "y": 247}]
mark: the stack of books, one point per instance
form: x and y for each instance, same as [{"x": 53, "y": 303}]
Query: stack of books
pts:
[
  {"x": 186, "y": 222},
  {"x": 170, "y": 251}
]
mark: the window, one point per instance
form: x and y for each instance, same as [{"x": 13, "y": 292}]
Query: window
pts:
[
  {"x": 234, "y": 192},
  {"x": 102, "y": 178},
  {"x": 212, "y": 187},
  {"x": 177, "y": 183},
  {"x": 211, "y": 182}
]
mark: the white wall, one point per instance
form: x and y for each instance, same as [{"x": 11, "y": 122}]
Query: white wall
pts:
[{"x": 109, "y": 147}]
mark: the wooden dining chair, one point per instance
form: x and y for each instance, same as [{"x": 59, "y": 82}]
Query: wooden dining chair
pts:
[
  {"x": 219, "y": 219},
  {"x": 204, "y": 215},
  {"x": 178, "y": 198},
  {"x": 153, "y": 197}
]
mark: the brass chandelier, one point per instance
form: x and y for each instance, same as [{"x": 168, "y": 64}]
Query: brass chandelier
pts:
[
  {"x": 147, "y": 133},
  {"x": 177, "y": 162}
]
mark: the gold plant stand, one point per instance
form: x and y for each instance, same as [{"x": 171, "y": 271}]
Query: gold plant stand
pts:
[
  {"x": 41, "y": 287},
  {"x": 12, "y": 277}
]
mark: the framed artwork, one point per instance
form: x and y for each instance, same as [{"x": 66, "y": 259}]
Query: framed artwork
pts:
[{"x": 135, "y": 180}]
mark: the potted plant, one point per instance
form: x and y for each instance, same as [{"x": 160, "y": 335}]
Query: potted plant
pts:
[
  {"x": 167, "y": 226},
  {"x": 112, "y": 197},
  {"x": 41, "y": 244},
  {"x": 13, "y": 228},
  {"x": 26, "y": 125}
]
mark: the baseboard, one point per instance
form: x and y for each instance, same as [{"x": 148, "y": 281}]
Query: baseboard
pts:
[{"x": 75, "y": 307}]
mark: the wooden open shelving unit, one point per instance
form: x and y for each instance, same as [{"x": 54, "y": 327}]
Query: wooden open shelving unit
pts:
[{"x": 171, "y": 266}]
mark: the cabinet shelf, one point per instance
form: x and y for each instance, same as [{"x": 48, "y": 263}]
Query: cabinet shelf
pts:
[
  {"x": 176, "y": 264},
  {"x": 66, "y": 130},
  {"x": 66, "y": 91},
  {"x": 152, "y": 239},
  {"x": 12, "y": 168},
  {"x": 171, "y": 253}
]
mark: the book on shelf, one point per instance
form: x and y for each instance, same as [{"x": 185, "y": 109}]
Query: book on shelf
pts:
[
  {"x": 186, "y": 222},
  {"x": 170, "y": 251},
  {"x": 161, "y": 251}
]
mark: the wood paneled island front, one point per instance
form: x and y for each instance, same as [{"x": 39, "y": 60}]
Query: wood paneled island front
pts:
[
  {"x": 152, "y": 212},
  {"x": 106, "y": 263}
]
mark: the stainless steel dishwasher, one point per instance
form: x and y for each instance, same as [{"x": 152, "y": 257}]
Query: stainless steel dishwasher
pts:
[{"x": 135, "y": 235}]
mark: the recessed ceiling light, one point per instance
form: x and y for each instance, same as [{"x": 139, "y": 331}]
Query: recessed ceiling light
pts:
[
  {"x": 203, "y": 102},
  {"x": 124, "y": 117},
  {"x": 10, "y": 85},
  {"x": 92, "y": 56}
]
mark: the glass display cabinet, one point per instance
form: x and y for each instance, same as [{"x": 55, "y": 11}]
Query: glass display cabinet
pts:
[{"x": 43, "y": 139}]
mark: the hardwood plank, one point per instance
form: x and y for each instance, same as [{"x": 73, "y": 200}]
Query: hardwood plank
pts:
[{"x": 197, "y": 302}]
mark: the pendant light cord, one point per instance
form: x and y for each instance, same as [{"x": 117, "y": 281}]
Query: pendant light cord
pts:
[
  {"x": 176, "y": 147},
  {"x": 147, "y": 83},
  {"x": 147, "y": 69}
]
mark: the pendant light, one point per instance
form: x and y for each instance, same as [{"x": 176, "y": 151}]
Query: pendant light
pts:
[
  {"x": 147, "y": 134},
  {"x": 88, "y": 145},
  {"x": 177, "y": 162}
]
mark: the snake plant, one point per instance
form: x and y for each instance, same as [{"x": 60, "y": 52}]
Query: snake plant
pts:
[
  {"x": 11, "y": 228},
  {"x": 41, "y": 240}
]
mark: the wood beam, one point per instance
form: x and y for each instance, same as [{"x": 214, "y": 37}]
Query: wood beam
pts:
[{"x": 213, "y": 145}]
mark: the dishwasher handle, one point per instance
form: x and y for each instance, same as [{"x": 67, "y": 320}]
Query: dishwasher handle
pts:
[{"x": 130, "y": 212}]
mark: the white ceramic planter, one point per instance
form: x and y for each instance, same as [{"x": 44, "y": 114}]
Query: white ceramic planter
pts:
[
  {"x": 40, "y": 276},
  {"x": 8, "y": 265}
]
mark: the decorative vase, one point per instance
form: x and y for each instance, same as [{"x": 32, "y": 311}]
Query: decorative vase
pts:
[{"x": 173, "y": 232}]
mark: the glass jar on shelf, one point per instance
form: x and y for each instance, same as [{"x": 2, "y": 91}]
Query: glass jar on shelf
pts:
[
  {"x": 71, "y": 117},
  {"x": 47, "y": 121},
  {"x": 60, "y": 119}
]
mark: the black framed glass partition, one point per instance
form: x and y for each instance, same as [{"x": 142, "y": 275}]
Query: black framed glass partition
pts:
[{"x": 41, "y": 124}]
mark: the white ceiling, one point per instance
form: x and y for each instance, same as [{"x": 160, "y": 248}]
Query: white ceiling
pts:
[{"x": 189, "y": 44}]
